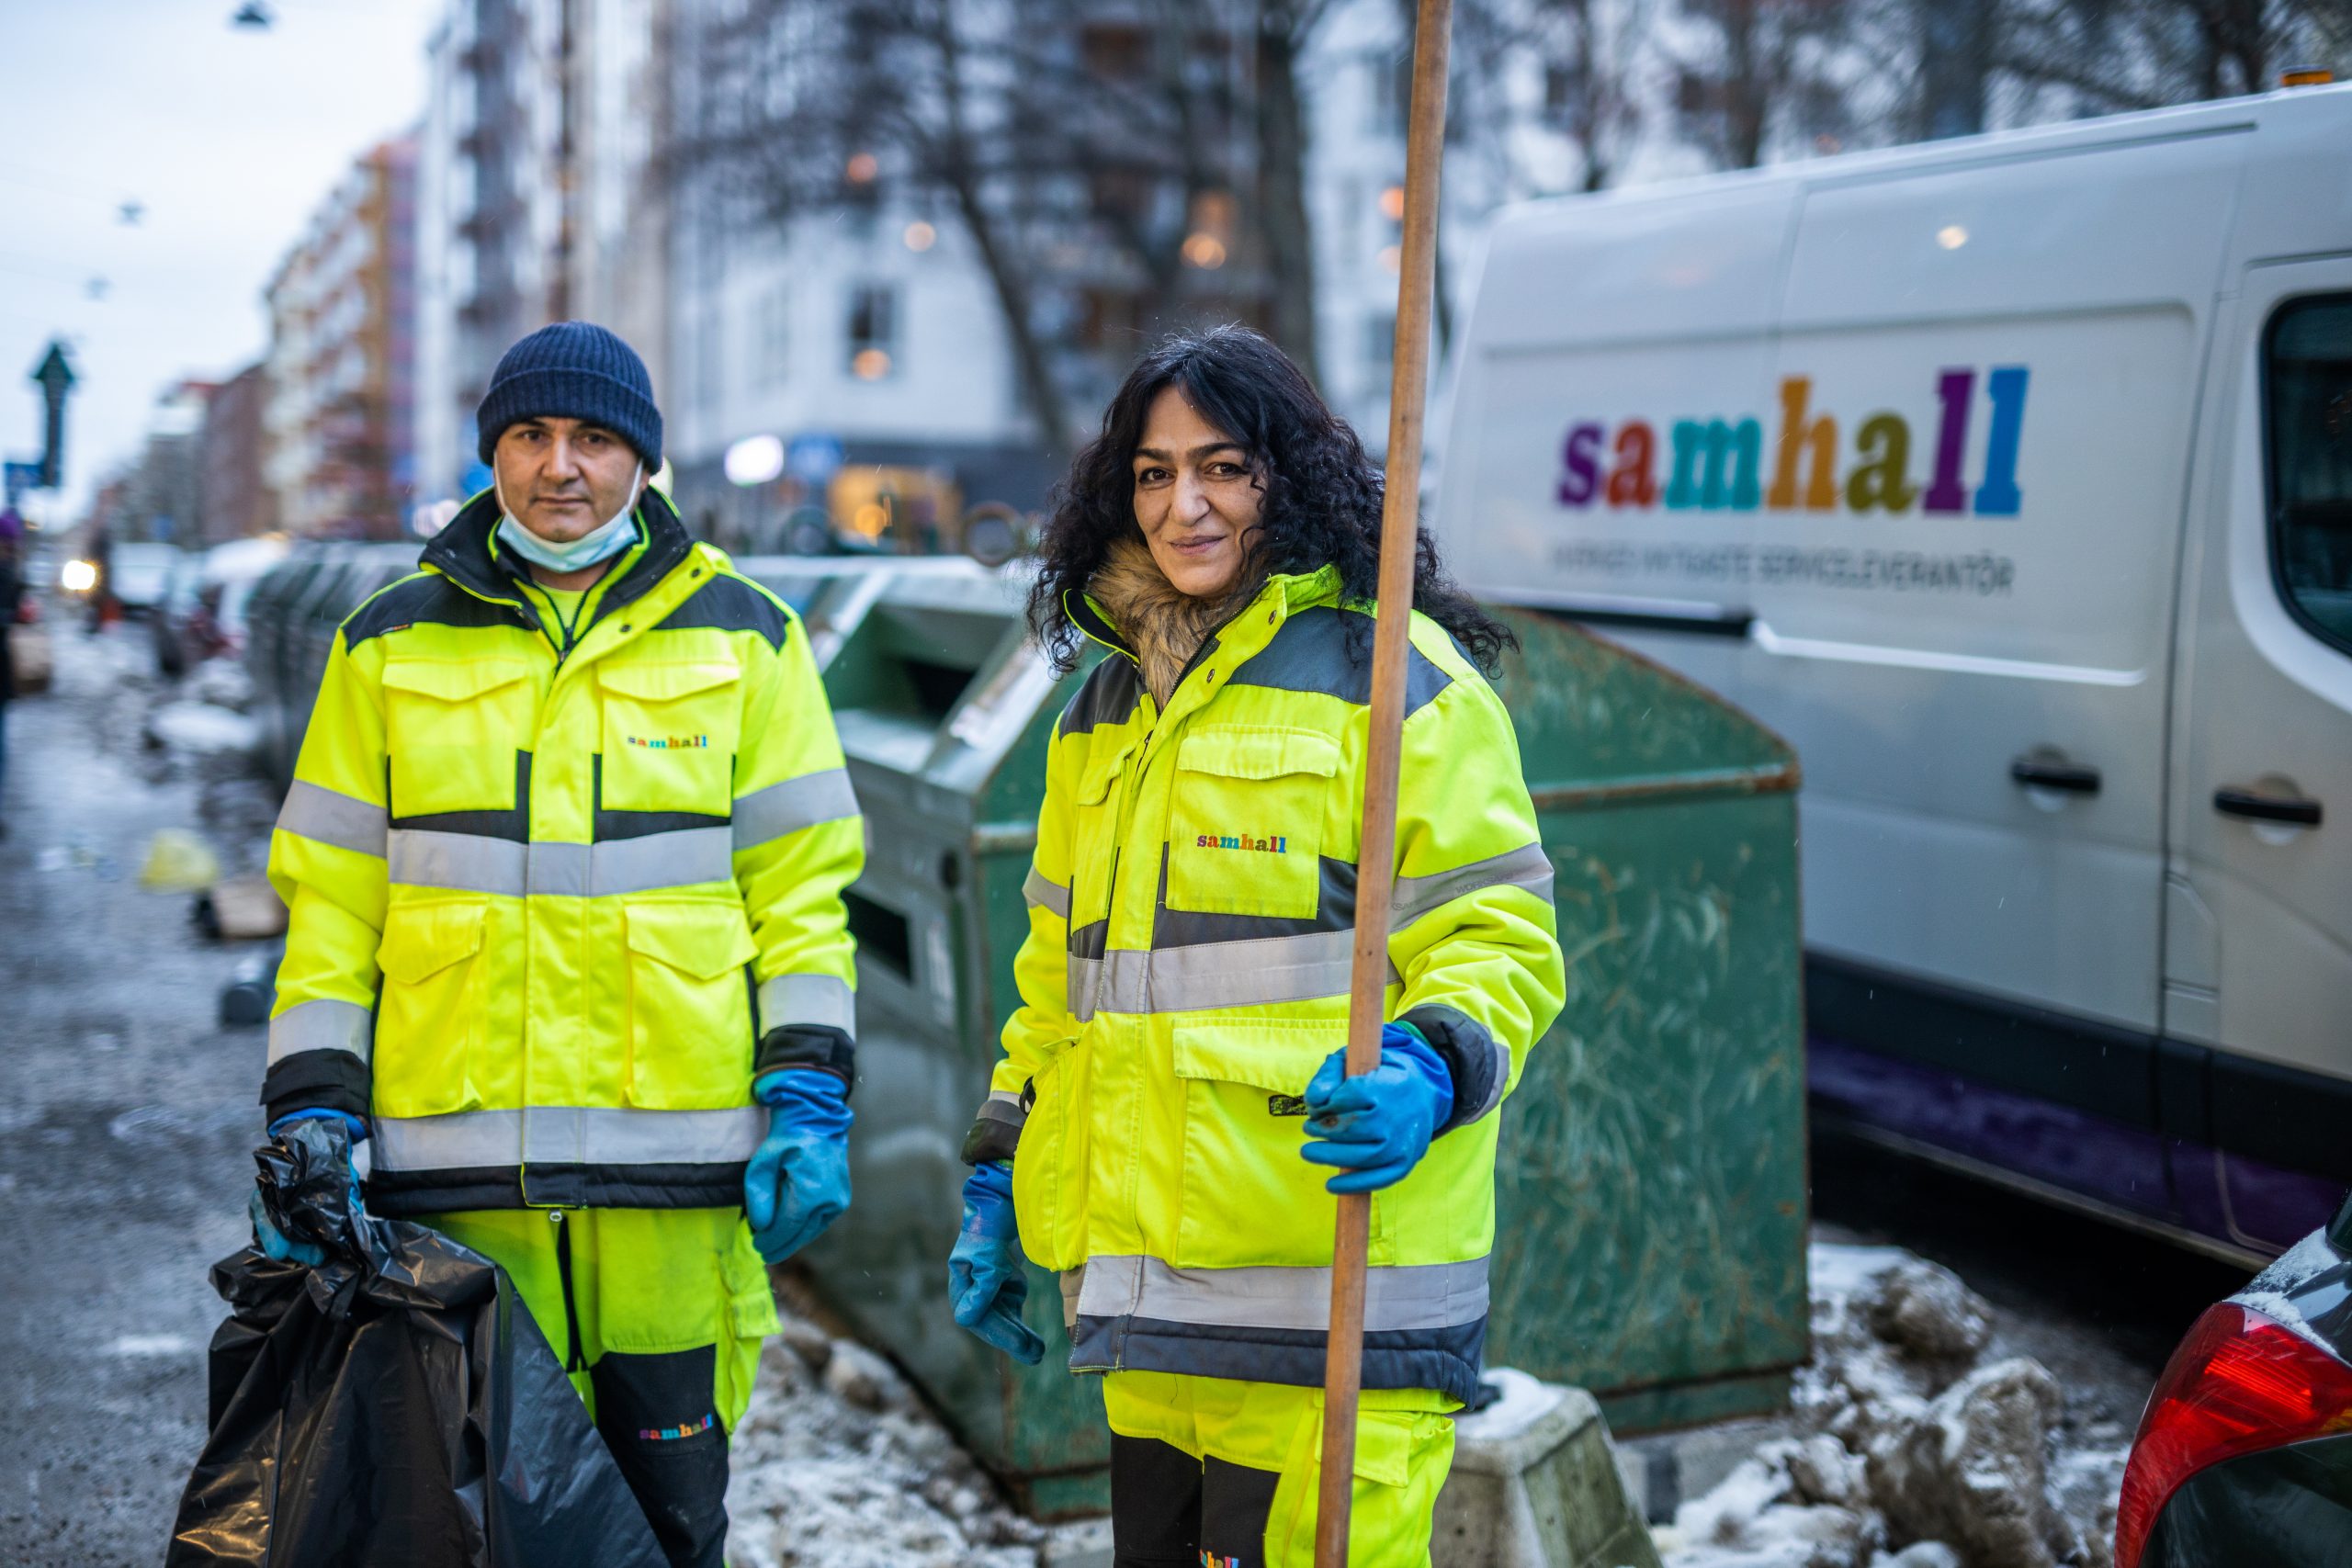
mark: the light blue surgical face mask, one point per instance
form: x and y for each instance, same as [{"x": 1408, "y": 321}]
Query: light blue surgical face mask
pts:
[{"x": 594, "y": 547}]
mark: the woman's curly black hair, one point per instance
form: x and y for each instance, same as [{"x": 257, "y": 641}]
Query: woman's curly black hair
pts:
[{"x": 1321, "y": 491}]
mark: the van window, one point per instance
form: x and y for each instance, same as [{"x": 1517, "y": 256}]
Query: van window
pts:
[{"x": 2307, "y": 399}]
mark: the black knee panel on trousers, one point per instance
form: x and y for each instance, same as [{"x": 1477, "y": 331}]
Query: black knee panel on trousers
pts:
[
  {"x": 1170, "y": 1510},
  {"x": 657, "y": 1416}
]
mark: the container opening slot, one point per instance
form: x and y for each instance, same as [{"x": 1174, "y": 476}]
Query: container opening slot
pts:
[{"x": 883, "y": 935}]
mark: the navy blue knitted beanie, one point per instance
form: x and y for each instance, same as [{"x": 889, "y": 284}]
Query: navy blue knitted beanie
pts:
[{"x": 573, "y": 370}]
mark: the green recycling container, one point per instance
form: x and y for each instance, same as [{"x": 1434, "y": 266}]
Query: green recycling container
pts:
[
  {"x": 1650, "y": 1232},
  {"x": 1651, "y": 1244}
]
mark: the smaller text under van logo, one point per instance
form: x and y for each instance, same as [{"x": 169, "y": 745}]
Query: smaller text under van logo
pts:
[
  {"x": 1716, "y": 464},
  {"x": 1274, "y": 846},
  {"x": 669, "y": 742}
]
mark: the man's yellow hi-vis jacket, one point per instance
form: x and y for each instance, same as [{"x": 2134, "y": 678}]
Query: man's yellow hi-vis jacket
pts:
[
  {"x": 557, "y": 897},
  {"x": 1192, "y": 911}
]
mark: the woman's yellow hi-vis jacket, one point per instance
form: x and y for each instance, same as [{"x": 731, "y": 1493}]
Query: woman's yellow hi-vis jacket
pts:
[
  {"x": 1192, "y": 910},
  {"x": 557, "y": 896}
]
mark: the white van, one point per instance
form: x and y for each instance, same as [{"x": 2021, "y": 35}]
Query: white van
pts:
[{"x": 2010, "y": 478}]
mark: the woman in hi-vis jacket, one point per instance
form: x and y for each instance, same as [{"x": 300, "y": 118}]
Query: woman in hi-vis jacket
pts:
[{"x": 1165, "y": 1126}]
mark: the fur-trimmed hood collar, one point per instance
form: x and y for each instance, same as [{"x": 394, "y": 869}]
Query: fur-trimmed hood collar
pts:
[{"x": 1161, "y": 623}]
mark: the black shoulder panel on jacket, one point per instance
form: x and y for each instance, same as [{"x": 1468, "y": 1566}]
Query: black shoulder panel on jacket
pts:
[
  {"x": 428, "y": 598},
  {"x": 730, "y": 605},
  {"x": 1328, "y": 649},
  {"x": 1108, "y": 695}
]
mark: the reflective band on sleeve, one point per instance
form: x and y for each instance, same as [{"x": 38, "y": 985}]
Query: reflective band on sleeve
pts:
[
  {"x": 1527, "y": 866},
  {"x": 472, "y": 863},
  {"x": 1397, "y": 1297},
  {"x": 771, "y": 812},
  {"x": 1260, "y": 973},
  {"x": 1046, "y": 895},
  {"x": 330, "y": 816},
  {"x": 322, "y": 1025},
  {"x": 561, "y": 1134},
  {"x": 1001, "y": 1105},
  {"x": 807, "y": 998}
]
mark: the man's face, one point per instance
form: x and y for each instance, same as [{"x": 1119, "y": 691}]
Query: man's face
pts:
[{"x": 563, "y": 478}]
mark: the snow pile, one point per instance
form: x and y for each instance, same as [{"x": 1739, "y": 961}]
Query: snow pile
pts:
[
  {"x": 223, "y": 684},
  {"x": 201, "y": 727},
  {"x": 1921, "y": 1451},
  {"x": 838, "y": 1463}
]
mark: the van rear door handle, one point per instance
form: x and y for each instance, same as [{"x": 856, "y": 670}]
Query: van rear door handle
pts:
[
  {"x": 2266, "y": 807},
  {"x": 2040, "y": 772}
]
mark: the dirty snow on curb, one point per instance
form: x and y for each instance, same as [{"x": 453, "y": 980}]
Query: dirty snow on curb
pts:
[
  {"x": 1915, "y": 1448},
  {"x": 838, "y": 1463}
]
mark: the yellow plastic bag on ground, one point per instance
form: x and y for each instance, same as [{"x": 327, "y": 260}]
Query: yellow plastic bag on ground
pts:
[{"x": 178, "y": 862}]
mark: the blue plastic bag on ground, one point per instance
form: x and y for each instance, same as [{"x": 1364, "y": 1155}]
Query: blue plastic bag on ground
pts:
[{"x": 395, "y": 1405}]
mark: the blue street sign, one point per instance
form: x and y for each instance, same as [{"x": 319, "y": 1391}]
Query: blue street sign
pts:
[
  {"x": 813, "y": 459},
  {"x": 20, "y": 477}
]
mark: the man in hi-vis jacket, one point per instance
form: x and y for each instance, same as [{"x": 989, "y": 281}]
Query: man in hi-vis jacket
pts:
[{"x": 564, "y": 854}]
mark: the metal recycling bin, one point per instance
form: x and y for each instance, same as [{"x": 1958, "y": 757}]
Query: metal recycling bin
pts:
[
  {"x": 290, "y": 626},
  {"x": 1652, "y": 1227},
  {"x": 945, "y": 714},
  {"x": 1650, "y": 1235}
]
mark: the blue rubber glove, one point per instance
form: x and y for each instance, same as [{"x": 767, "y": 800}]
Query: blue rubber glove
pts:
[
  {"x": 275, "y": 1244},
  {"x": 986, "y": 1283},
  {"x": 1377, "y": 1127},
  {"x": 798, "y": 1182}
]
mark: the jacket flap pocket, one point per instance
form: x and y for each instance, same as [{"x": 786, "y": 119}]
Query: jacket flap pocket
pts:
[
  {"x": 453, "y": 680},
  {"x": 423, "y": 939},
  {"x": 660, "y": 682},
  {"x": 1278, "y": 1055},
  {"x": 704, "y": 940},
  {"x": 1239, "y": 753},
  {"x": 1384, "y": 1447},
  {"x": 1095, "y": 779}
]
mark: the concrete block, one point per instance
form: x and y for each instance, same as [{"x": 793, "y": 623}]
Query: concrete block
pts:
[{"x": 1536, "y": 1484}]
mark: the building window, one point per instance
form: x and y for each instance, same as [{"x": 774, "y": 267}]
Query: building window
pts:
[
  {"x": 872, "y": 331},
  {"x": 1391, "y": 98},
  {"x": 2307, "y": 408},
  {"x": 773, "y": 350}
]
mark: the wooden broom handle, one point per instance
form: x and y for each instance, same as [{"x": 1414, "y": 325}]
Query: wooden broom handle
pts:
[{"x": 1376, "y": 863}]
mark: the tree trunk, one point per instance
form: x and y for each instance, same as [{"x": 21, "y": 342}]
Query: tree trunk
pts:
[
  {"x": 1282, "y": 186},
  {"x": 1054, "y": 430}
]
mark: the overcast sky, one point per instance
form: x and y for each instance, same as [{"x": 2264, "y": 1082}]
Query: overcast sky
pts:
[{"x": 228, "y": 137}]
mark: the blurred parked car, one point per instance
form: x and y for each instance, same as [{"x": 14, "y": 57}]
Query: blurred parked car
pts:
[
  {"x": 203, "y": 614},
  {"x": 140, "y": 574},
  {"x": 167, "y": 619},
  {"x": 2246, "y": 1452}
]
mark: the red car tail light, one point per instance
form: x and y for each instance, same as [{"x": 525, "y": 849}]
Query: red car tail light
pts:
[{"x": 2240, "y": 1382}]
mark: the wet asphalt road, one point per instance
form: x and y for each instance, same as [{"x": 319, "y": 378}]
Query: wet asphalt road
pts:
[{"x": 126, "y": 1120}]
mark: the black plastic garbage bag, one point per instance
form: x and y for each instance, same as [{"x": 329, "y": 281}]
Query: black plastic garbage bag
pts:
[{"x": 396, "y": 1405}]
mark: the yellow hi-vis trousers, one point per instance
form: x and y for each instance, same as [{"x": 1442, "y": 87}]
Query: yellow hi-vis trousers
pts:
[
  {"x": 1403, "y": 1449},
  {"x": 633, "y": 1281}
]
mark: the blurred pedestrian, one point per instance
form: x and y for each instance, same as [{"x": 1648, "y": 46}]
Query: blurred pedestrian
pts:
[
  {"x": 564, "y": 853},
  {"x": 1173, "y": 1095},
  {"x": 12, "y": 599}
]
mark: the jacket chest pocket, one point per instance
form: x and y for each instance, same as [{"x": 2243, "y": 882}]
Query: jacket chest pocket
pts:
[
  {"x": 430, "y": 1019},
  {"x": 669, "y": 736},
  {"x": 1245, "y": 832},
  {"x": 1095, "y": 836},
  {"x": 689, "y": 1006},
  {"x": 454, "y": 729}
]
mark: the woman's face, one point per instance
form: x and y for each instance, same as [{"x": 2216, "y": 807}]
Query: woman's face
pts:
[{"x": 1196, "y": 500}]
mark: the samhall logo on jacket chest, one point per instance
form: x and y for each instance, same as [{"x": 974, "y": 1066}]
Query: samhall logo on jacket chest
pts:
[
  {"x": 1274, "y": 846},
  {"x": 669, "y": 742}
]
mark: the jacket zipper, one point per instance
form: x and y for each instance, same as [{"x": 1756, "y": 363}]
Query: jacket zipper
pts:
[{"x": 574, "y": 1361}]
